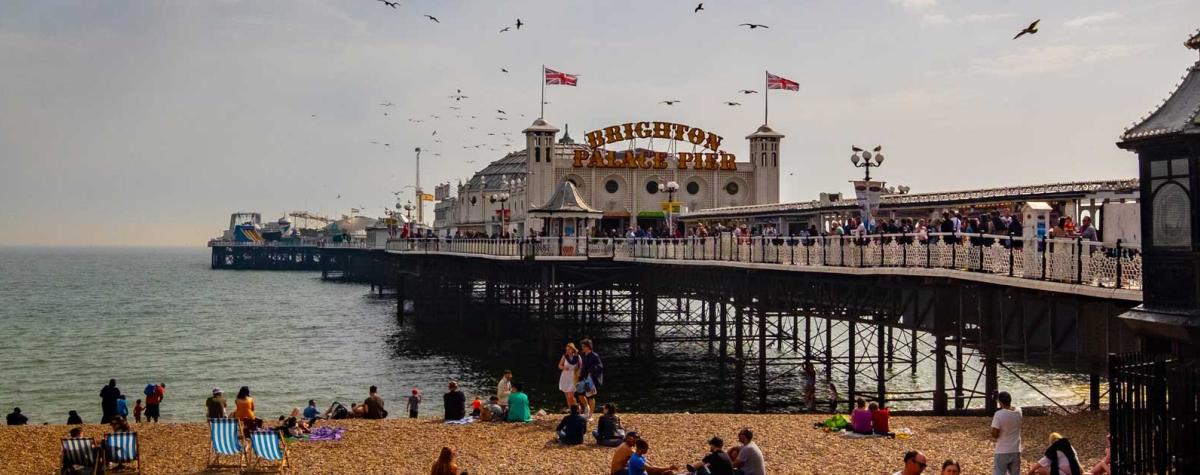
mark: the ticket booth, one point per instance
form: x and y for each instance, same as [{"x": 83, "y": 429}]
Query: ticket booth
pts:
[{"x": 1036, "y": 218}]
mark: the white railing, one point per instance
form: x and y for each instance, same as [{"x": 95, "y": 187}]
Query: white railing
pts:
[{"x": 533, "y": 247}]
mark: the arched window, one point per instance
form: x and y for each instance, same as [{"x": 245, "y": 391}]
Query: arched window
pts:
[
  {"x": 1172, "y": 216},
  {"x": 774, "y": 159},
  {"x": 764, "y": 159},
  {"x": 537, "y": 154}
]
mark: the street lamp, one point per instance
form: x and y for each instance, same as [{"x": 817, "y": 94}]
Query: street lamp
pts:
[
  {"x": 898, "y": 190},
  {"x": 670, "y": 188},
  {"x": 865, "y": 159},
  {"x": 502, "y": 198},
  {"x": 409, "y": 208}
]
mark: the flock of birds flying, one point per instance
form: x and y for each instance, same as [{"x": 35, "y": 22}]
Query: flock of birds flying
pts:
[{"x": 460, "y": 99}]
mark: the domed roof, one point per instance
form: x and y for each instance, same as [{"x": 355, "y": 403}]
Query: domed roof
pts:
[{"x": 764, "y": 132}]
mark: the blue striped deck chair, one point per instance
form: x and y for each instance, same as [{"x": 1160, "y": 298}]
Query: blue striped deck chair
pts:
[
  {"x": 78, "y": 453},
  {"x": 267, "y": 452},
  {"x": 121, "y": 448},
  {"x": 226, "y": 450}
]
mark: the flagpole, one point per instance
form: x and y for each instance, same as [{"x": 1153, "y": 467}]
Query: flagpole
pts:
[
  {"x": 542, "y": 115},
  {"x": 766, "y": 96}
]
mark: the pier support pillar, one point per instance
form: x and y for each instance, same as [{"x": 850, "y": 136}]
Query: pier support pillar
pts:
[
  {"x": 851, "y": 359},
  {"x": 1094, "y": 393},
  {"x": 648, "y": 325},
  {"x": 939, "y": 380},
  {"x": 991, "y": 383}
]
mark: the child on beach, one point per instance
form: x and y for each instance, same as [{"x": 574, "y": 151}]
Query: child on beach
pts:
[
  {"x": 476, "y": 407},
  {"x": 414, "y": 403},
  {"x": 137, "y": 411},
  {"x": 122, "y": 406}
]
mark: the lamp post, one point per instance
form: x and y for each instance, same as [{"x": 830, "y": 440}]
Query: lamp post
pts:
[
  {"x": 409, "y": 208},
  {"x": 420, "y": 193},
  {"x": 866, "y": 159},
  {"x": 670, "y": 188},
  {"x": 502, "y": 198}
]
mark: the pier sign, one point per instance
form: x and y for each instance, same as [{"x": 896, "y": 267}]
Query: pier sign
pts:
[{"x": 597, "y": 157}]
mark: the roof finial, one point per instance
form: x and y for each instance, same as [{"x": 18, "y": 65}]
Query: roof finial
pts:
[
  {"x": 566, "y": 138},
  {"x": 1194, "y": 41}
]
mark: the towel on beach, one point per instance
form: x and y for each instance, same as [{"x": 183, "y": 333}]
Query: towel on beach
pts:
[
  {"x": 855, "y": 435},
  {"x": 324, "y": 433},
  {"x": 463, "y": 421}
]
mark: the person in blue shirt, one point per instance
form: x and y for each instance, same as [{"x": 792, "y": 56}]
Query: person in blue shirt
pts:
[
  {"x": 122, "y": 407},
  {"x": 571, "y": 429},
  {"x": 637, "y": 460},
  {"x": 311, "y": 413}
]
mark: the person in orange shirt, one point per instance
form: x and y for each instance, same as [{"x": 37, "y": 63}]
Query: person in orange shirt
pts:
[{"x": 245, "y": 410}]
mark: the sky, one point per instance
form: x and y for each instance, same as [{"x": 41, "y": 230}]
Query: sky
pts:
[{"x": 137, "y": 123}]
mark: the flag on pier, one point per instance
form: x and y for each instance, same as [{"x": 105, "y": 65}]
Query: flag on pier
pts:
[
  {"x": 777, "y": 82},
  {"x": 555, "y": 78}
]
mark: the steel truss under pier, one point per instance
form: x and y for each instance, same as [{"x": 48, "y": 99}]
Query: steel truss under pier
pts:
[{"x": 759, "y": 327}]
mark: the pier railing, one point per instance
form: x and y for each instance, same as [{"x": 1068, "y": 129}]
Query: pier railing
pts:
[{"x": 1114, "y": 265}]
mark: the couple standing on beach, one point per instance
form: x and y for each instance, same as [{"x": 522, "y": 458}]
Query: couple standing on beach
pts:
[{"x": 581, "y": 377}]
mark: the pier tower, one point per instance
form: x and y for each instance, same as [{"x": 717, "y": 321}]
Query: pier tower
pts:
[{"x": 764, "y": 156}]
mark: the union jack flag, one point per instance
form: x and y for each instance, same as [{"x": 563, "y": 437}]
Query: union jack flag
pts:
[
  {"x": 776, "y": 82},
  {"x": 560, "y": 79}
]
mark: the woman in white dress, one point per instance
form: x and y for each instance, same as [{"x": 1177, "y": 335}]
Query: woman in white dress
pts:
[{"x": 569, "y": 365}]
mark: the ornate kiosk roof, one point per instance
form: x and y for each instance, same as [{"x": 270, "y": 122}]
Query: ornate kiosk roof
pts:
[
  {"x": 566, "y": 203},
  {"x": 1179, "y": 113}
]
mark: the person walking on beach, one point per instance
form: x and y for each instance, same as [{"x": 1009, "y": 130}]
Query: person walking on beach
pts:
[
  {"x": 73, "y": 418},
  {"x": 810, "y": 386},
  {"x": 15, "y": 418},
  {"x": 154, "y": 397},
  {"x": 138, "y": 409},
  {"x": 914, "y": 463},
  {"x": 455, "y": 403},
  {"x": 108, "y": 401},
  {"x": 568, "y": 365},
  {"x": 504, "y": 388},
  {"x": 1006, "y": 429},
  {"x": 518, "y": 405},
  {"x": 215, "y": 406},
  {"x": 414, "y": 403},
  {"x": 374, "y": 405},
  {"x": 591, "y": 375}
]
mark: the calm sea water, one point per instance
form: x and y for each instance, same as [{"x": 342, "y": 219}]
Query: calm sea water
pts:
[{"x": 73, "y": 318}]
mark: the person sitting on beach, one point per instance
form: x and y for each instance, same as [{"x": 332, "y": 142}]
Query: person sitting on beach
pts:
[
  {"x": 476, "y": 407},
  {"x": 1059, "y": 459},
  {"x": 244, "y": 410},
  {"x": 914, "y": 463},
  {"x": 357, "y": 411},
  {"x": 860, "y": 419},
  {"x": 122, "y": 407},
  {"x": 608, "y": 429},
  {"x": 311, "y": 413},
  {"x": 518, "y": 405},
  {"x": 215, "y": 405},
  {"x": 414, "y": 403},
  {"x": 640, "y": 465},
  {"x": 880, "y": 419},
  {"x": 951, "y": 467},
  {"x": 716, "y": 462},
  {"x": 73, "y": 418},
  {"x": 504, "y": 388},
  {"x": 119, "y": 424},
  {"x": 1104, "y": 466},
  {"x": 338, "y": 411},
  {"x": 373, "y": 405},
  {"x": 15, "y": 418},
  {"x": 97, "y": 452},
  {"x": 571, "y": 429},
  {"x": 445, "y": 464},
  {"x": 748, "y": 458},
  {"x": 301, "y": 423},
  {"x": 492, "y": 412},
  {"x": 455, "y": 403}
]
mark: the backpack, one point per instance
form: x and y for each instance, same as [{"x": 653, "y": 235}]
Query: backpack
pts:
[{"x": 150, "y": 388}]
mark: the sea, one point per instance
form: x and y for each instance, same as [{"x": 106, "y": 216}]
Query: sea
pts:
[{"x": 72, "y": 318}]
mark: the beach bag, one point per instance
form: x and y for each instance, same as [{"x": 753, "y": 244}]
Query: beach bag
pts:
[
  {"x": 837, "y": 422},
  {"x": 150, "y": 388}
]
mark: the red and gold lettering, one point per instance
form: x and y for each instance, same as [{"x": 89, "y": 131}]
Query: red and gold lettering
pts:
[
  {"x": 680, "y": 131},
  {"x": 580, "y": 156},
  {"x": 662, "y": 130},
  {"x": 612, "y": 133},
  {"x": 627, "y": 130},
  {"x": 696, "y": 136},
  {"x": 710, "y": 161},
  {"x": 728, "y": 161},
  {"x": 713, "y": 142},
  {"x": 595, "y": 138},
  {"x": 683, "y": 158},
  {"x": 660, "y": 160},
  {"x": 643, "y": 130}
]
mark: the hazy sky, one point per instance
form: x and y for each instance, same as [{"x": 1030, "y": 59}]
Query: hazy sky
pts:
[{"x": 137, "y": 123}]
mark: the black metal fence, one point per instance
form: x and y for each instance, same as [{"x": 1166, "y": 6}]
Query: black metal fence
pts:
[{"x": 1154, "y": 414}]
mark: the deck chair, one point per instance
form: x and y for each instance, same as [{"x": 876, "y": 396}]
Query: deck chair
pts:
[
  {"x": 267, "y": 453},
  {"x": 226, "y": 450},
  {"x": 78, "y": 452},
  {"x": 121, "y": 448}
]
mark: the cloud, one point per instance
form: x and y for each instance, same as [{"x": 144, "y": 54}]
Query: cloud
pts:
[
  {"x": 915, "y": 5},
  {"x": 1092, "y": 21},
  {"x": 975, "y": 18},
  {"x": 1050, "y": 59}
]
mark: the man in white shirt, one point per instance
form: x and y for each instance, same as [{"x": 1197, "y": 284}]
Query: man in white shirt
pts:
[
  {"x": 504, "y": 388},
  {"x": 914, "y": 463},
  {"x": 748, "y": 459},
  {"x": 1006, "y": 429}
]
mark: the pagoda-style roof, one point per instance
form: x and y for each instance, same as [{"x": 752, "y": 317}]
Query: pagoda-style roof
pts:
[
  {"x": 1180, "y": 113},
  {"x": 566, "y": 203}
]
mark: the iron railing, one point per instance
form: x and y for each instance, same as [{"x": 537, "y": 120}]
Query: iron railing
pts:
[{"x": 1154, "y": 410}]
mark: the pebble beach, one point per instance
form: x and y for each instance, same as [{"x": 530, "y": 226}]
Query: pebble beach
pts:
[{"x": 409, "y": 446}]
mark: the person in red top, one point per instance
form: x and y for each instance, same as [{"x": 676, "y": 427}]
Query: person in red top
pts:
[
  {"x": 153, "y": 400},
  {"x": 879, "y": 420}
]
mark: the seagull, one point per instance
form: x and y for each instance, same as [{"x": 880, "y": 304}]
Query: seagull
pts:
[
  {"x": 733, "y": 103},
  {"x": 670, "y": 102},
  {"x": 855, "y": 148},
  {"x": 1031, "y": 29},
  {"x": 503, "y": 70},
  {"x": 456, "y": 108},
  {"x": 698, "y": 8},
  {"x": 500, "y": 111},
  {"x": 385, "y": 114},
  {"x": 434, "y": 132},
  {"x": 339, "y": 196},
  {"x": 754, "y": 25},
  {"x": 374, "y": 142},
  {"x": 437, "y": 154},
  {"x": 314, "y": 116},
  {"x": 491, "y": 133},
  {"x": 470, "y": 161},
  {"x": 459, "y": 97},
  {"x": 748, "y": 91},
  {"x": 437, "y": 141},
  {"x": 502, "y": 30},
  {"x": 878, "y": 148},
  {"x": 386, "y": 104},
  {"x": 431, "y": 17},
  {"x": 501, "y": 118},
  {"x": 519, "y": 23},
  {"x": 390, "y": 4},
  {"x": 434, "y": 116}
]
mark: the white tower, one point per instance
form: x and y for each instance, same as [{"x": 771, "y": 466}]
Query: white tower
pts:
[
  {"x": 539, "y": 161},
  {"x": 764, "y": 155}
]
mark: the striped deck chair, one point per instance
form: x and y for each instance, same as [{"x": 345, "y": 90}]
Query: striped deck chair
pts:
[
  {"x": 267, "y": 452},
  {"x": 226, "y": 450},
  {"x": 78, "y": 452},
  {"x": 121, "y": 448}
]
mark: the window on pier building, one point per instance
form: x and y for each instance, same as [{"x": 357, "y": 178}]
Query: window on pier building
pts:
[
  {"x": 1171, "y": 203},
  {"x": 537, "y": 154}
]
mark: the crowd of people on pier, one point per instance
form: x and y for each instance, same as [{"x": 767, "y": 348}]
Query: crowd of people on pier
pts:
[{"x": 581, "y": 377}]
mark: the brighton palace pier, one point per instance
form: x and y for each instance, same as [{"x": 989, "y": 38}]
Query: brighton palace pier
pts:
[{"x": 617, "y": 175}]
